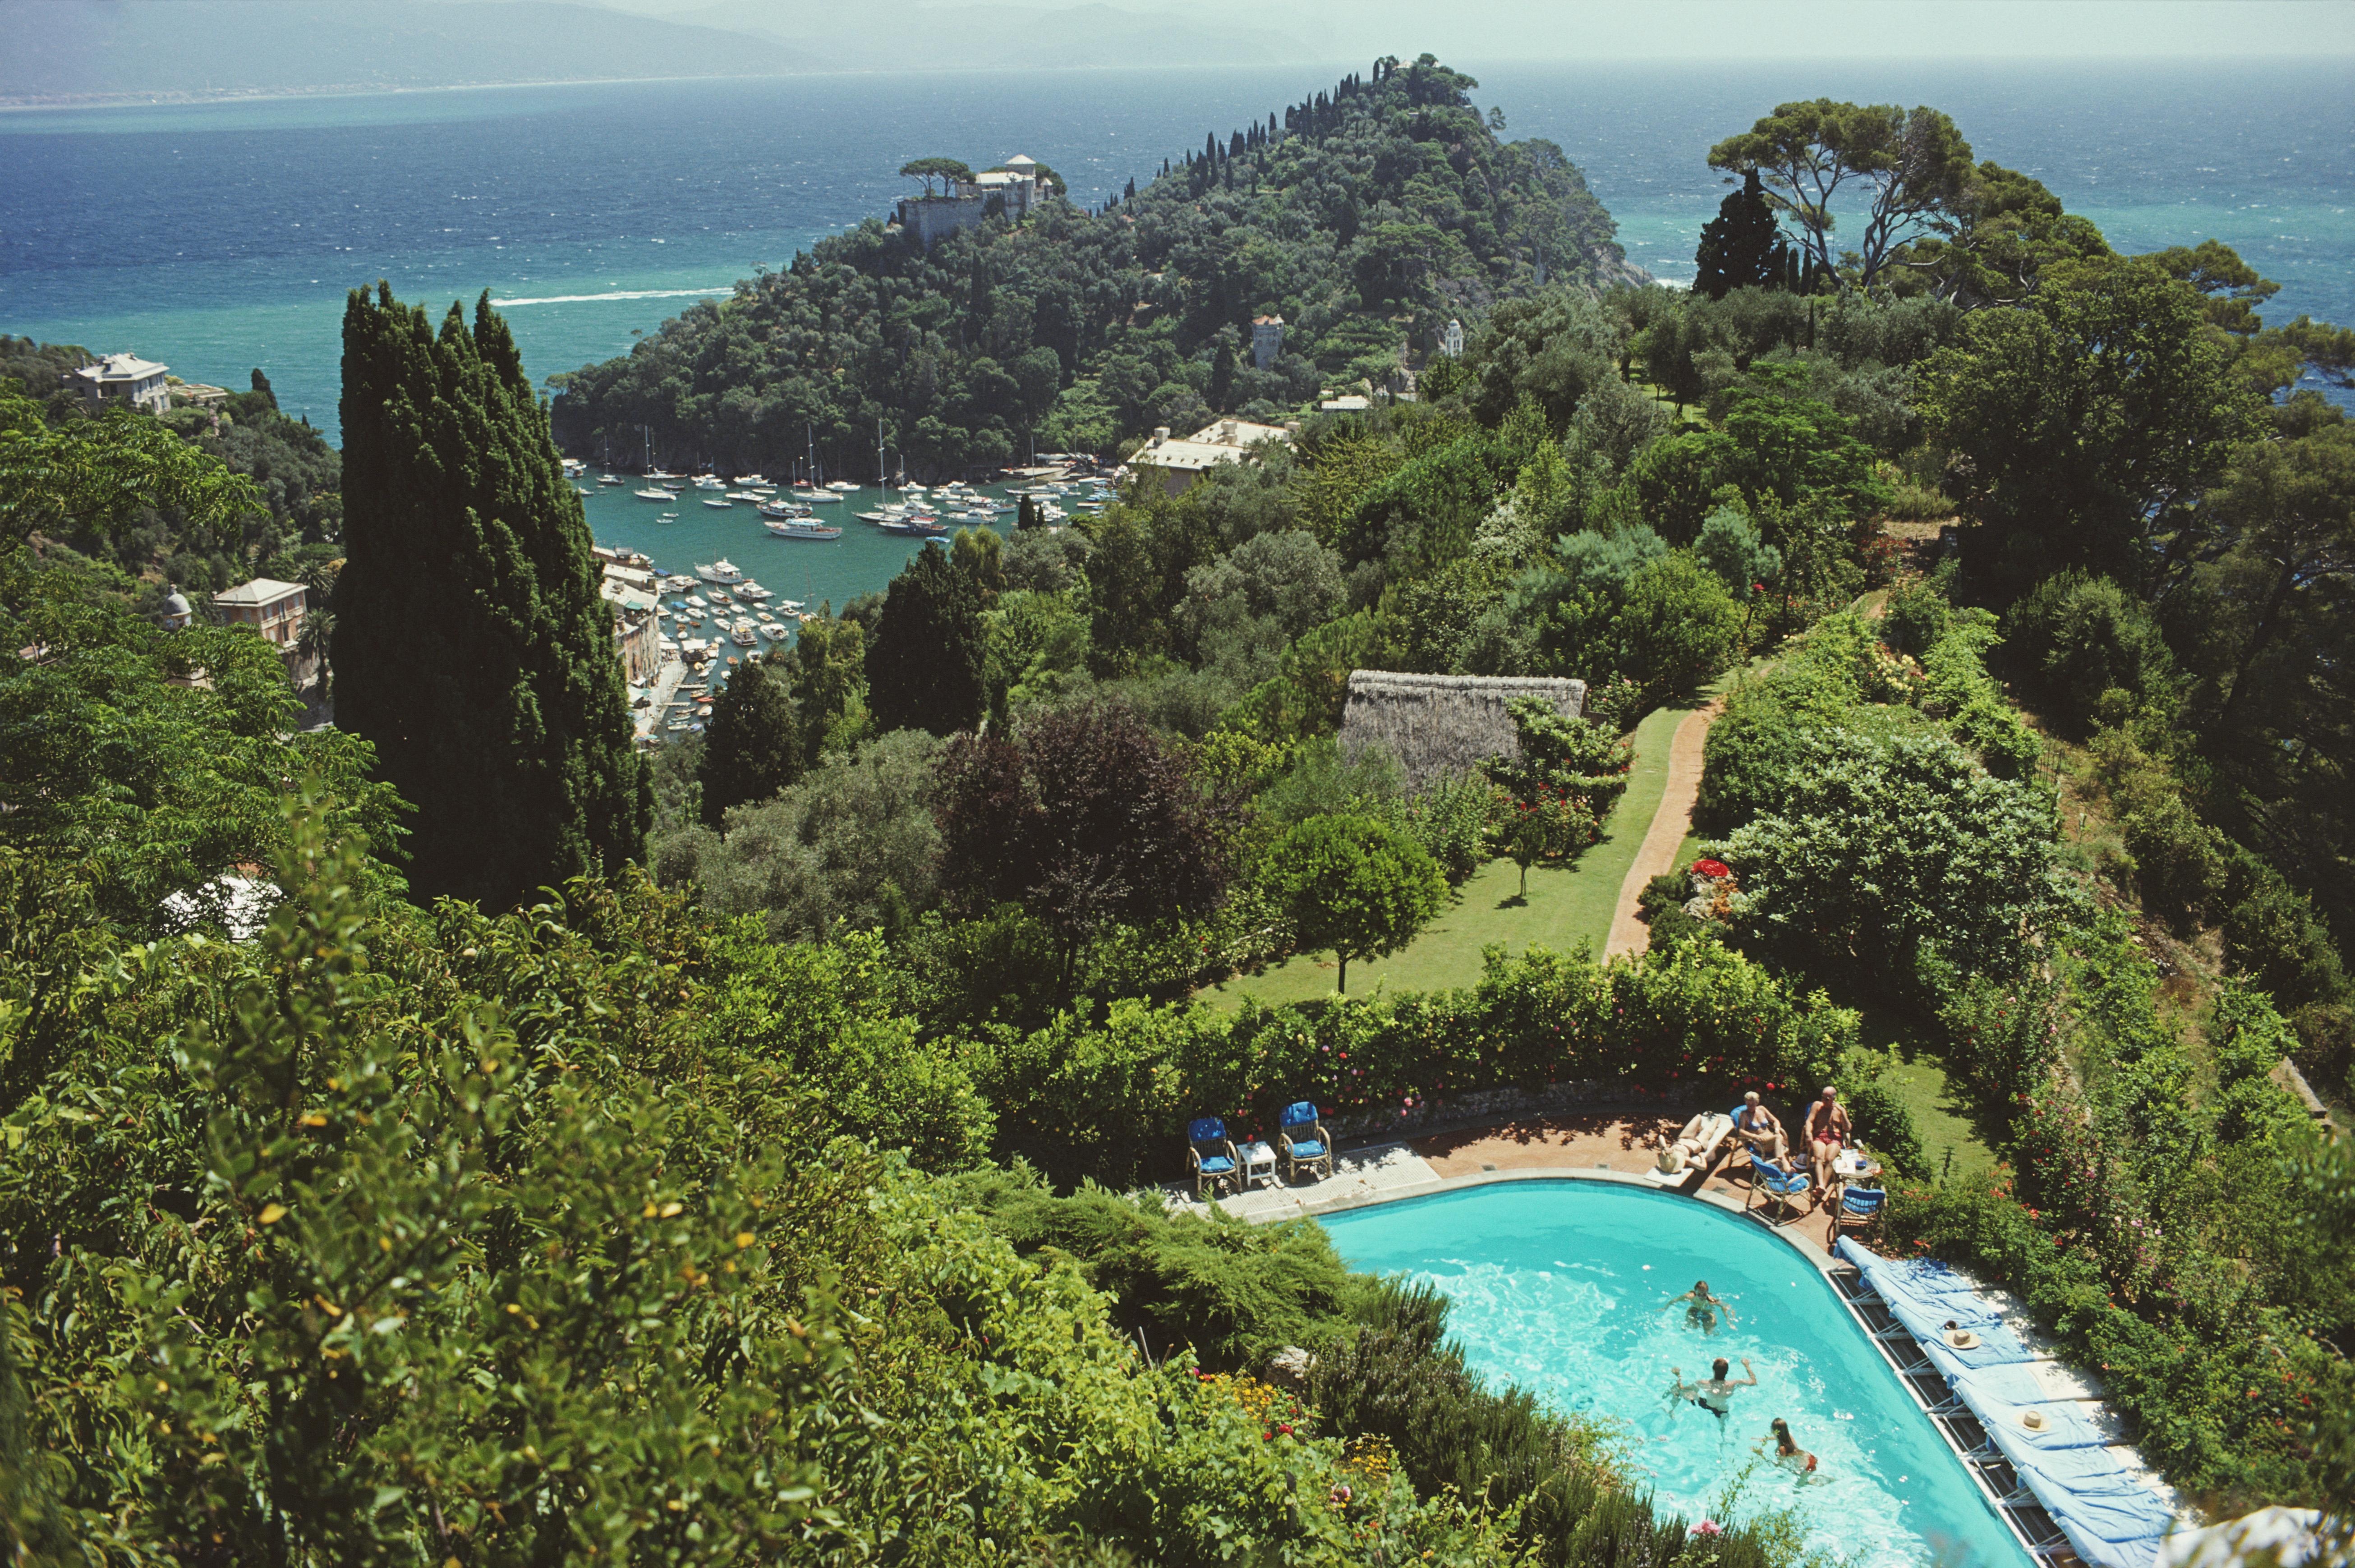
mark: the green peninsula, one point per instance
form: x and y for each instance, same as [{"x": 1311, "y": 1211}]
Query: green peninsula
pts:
[{"x": 1366, "y": 218}]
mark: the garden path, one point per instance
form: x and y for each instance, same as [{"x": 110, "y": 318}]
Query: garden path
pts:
[{"x": 1671, "y": 823}]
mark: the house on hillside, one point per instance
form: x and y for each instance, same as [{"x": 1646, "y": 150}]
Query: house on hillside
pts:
[
  {"x": 1267, "y": 340},
  {"x": 1011, "y": 189},
  {"x": 123, "y": 378},
  {"x": 1183, "y": 462},
  {"x": 1441, "y": 725},
  {"x": 271, "y": 608}
]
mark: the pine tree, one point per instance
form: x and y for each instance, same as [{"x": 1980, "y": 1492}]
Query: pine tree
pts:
[
  {"x": 1740, "y": 247},
  {"x": 753, "y": 746},
  {"x": 470, "y": 645},
  {"x": 924, "y": 667}
]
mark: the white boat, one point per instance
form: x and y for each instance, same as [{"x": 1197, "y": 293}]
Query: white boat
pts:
[
  {"x": 719, "y": 503},
  {"x": 783, "y": 509},
  {"x": 610, "y": 479},
  {"x": 720, "y": 572},
  {"x": 752, "y": 592},
  {"x": 651, "y": 495},
  {"x": 709, "y": 482},
  {"x": 742, "y": 634},
  {"x": 842, "y": 486},
  {"x": 800, "y": 528},
  {"x": 750, "y": 482},
  {"x": 697, "y": 601},
  {"x": 753, "y": 495},
  {"x": 667, "y": 516},
  {"x": 820, "y": 497}
]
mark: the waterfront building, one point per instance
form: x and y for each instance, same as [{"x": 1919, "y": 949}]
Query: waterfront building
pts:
[
  {"x": 637, "y": 635},
  {"x": 177, "y": 613},
  {"x": 123, "y": 378},
  {"x": 1228, "y": 441}
]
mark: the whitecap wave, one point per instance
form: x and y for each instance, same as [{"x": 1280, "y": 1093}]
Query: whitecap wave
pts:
[{"x": 622, "y": 294}]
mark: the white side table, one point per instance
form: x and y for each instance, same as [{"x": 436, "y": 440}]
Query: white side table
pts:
[{"x": 1259, "y": 1164}]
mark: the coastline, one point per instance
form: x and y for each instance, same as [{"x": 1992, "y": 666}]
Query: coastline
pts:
[{"x": 174, "y": 99}]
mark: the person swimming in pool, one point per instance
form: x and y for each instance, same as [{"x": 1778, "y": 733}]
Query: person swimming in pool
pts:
[
  {"x": 1702, "y": 1309},
  {"x": 1789, "y": 1455},
  {"x": 1715, "y": 1393}
]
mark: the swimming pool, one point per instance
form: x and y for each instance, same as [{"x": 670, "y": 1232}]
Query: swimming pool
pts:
[{"x": 1562, "y": 1287}]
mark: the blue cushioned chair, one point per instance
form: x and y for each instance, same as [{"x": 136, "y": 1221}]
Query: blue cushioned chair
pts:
[
  {"x": 1859, "y": 1206},
  {"x": 1217, "y": 1167},
  {"x": 1301, "y": 1141},
  {"x": 1781, "y": 1186}
]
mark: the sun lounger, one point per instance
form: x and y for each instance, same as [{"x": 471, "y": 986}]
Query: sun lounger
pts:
[
  {"x": 2117, "y": 1530},
  {"x": 1712, "y": 1137},
  {"x": 2063, "y": 1427},
  {"x": 1997, "y": 1345}
]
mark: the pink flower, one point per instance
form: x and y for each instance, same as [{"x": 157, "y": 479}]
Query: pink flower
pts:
[{"x": 1709, "y": 1527}]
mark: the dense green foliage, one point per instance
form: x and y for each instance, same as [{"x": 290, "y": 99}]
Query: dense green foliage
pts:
[
  {"x": 287, "y": 525},
  {"x": 753, "y": 747},
  {"x": 1372, "y": 216},
  {"x": 631, "y": 1225},
  {"x": 470, "y": 646}
]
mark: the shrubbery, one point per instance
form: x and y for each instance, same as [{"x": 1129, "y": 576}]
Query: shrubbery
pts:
[{"x": 1110, "y": 1101}]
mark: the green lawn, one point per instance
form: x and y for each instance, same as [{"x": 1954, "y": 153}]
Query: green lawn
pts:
[
  {"x": 1940, "y": 1115},
  {"x": 1566, "y": 905}
]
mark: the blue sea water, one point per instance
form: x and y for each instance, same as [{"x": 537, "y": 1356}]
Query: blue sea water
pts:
[
  {"x": 1566, "y": 1288},
  {"x": 222, "y": 237}
]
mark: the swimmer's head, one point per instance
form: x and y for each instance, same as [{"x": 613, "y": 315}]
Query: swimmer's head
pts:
[
  {"x": 1830, "y": 1093},
  {"x": 1719, "y": 1368},
  {"x": 1701, "y": 1287},
  {"x": 1751, "y": 1098}
]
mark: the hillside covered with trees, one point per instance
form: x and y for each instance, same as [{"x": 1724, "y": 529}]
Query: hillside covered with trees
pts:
[
  {"x": 1366, "y": 217},
  {"x": 776, "y": 1182}
]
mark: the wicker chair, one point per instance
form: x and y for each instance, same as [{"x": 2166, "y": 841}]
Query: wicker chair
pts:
[
  {"x": 1301, "y": 1141},
  {"x": 1217, "y": 1165}
]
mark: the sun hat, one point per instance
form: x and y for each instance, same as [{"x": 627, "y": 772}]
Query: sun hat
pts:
[
  {"x": 1672, "y": 1159},
  {"x": 2033, "y": 1419},
  {"x": 1961, "y": 1339}
]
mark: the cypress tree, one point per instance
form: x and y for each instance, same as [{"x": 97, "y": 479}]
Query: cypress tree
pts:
[
  {"x": 470, "y": 645},
  {"x": 1740, "y": 247},
  {"x": 924, "y": 664},
  {"x": 753, "y": 746}
]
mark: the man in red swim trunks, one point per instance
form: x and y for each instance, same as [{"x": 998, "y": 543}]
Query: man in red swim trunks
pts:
[{"x": 1827, "y": 1134}]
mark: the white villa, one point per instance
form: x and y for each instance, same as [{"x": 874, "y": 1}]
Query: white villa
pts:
[{"x": 123, "y": 378}]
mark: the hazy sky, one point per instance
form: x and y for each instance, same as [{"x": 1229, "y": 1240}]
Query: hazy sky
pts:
[{"x": 1556, "y": 29}]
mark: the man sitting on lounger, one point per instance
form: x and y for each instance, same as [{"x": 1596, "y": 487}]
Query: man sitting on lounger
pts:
[
  {"x": 1827, "y": 1132},
  {"x": 1755, "y": 1126},
  {"x": 1715, "y": 1394},
  {"x": 1696, "y": 1143},
  {"x": 1701, "y": 1312}
]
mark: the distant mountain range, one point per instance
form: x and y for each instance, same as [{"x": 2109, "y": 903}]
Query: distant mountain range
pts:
[{"x": 60, "y": 51}]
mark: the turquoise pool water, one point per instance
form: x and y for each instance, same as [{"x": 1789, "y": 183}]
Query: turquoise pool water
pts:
[{"x": 1563, "y": 1288}]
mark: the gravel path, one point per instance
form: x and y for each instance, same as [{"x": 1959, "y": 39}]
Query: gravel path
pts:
[{"x": 1670, "y": 823}]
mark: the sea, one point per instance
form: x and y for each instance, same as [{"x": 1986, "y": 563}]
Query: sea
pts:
[{"x": 223, "y": 237}]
